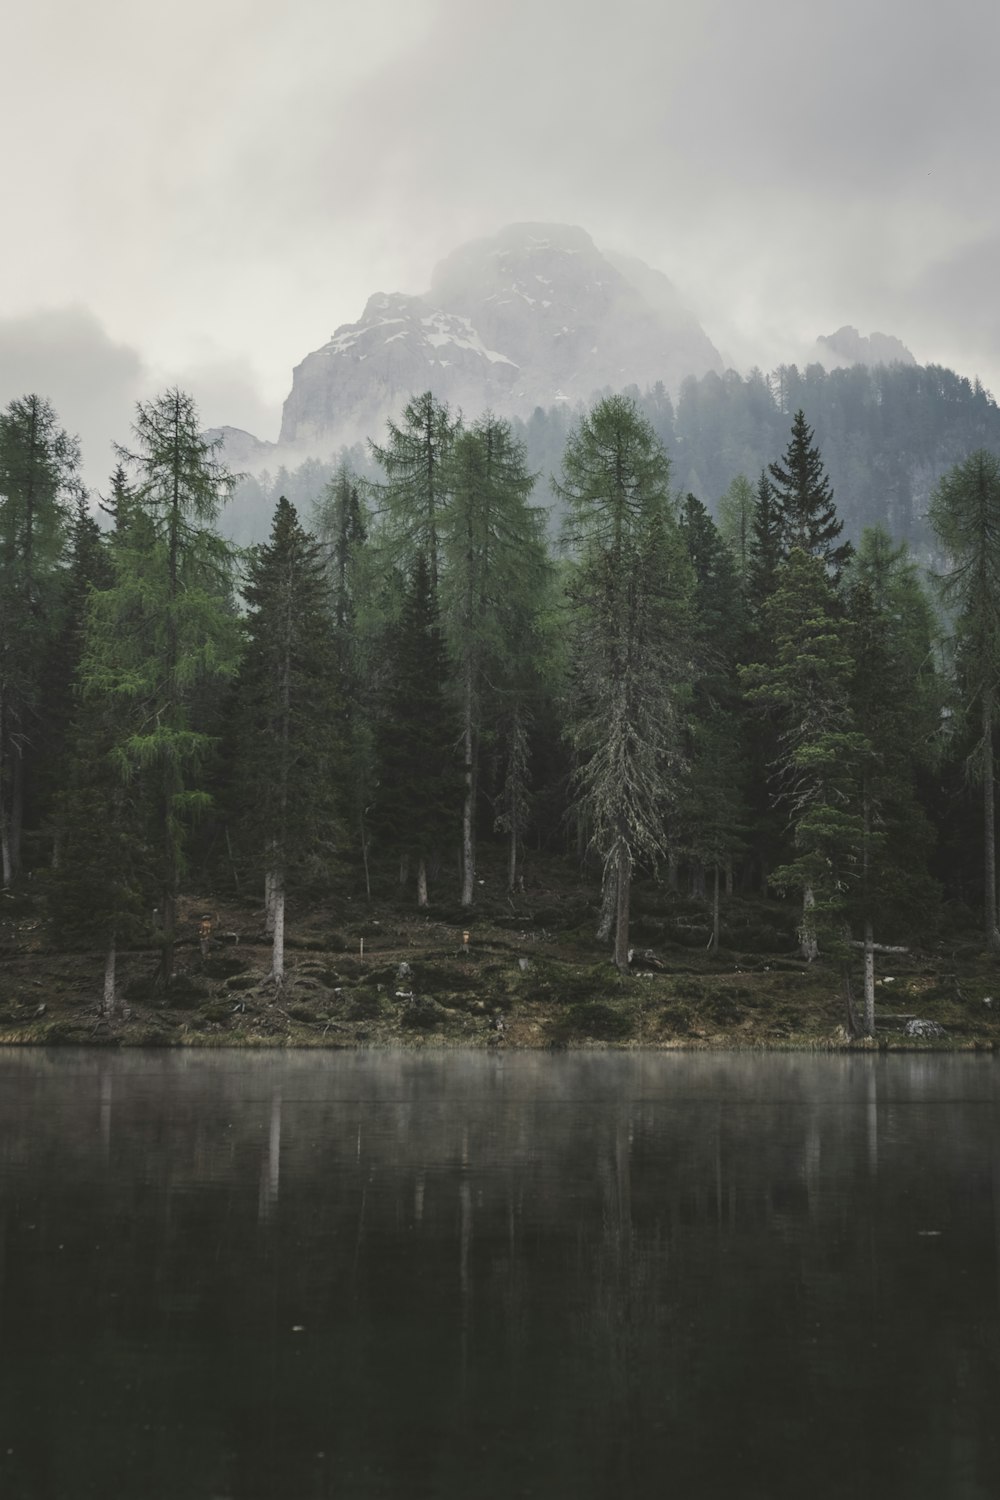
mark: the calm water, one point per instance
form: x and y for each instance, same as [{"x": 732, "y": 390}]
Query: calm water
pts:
[{"x": 298, "y": 1276}]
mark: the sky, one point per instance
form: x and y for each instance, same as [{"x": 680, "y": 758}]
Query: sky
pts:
[{"x": 200, "y": 193}]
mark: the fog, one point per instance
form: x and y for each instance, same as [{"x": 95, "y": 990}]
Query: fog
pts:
[{"x": 203, "y": 193}]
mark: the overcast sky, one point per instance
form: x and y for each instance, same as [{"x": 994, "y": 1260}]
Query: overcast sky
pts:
[{"x": 199, "y": 192}]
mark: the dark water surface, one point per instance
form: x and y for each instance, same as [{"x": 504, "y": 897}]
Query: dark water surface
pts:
[{"x": 290, "y": 1276}]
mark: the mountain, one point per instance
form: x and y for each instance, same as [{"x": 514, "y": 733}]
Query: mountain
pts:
[{"x": 533, "y": 316}]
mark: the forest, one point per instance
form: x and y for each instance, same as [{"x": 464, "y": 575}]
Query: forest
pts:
[{"x": 417, "y": 671}]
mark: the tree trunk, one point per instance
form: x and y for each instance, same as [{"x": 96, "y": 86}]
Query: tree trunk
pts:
[
  {"x": 469, "y": 801},
  {"x": 364, "y": 858},
  {"x": 16, "y": 814},
  {"x": 278, "y": 950},
  {"x": 110, "y": 969},
  {"x": 714, "y": 945},
  {"x": 869, "y": 980},
  {"x": 849, "y": 1014},
  {"x": 422, "y": 882},
  {"x": 8, "y": 874},
  {"x": 609, "y": 905},
  {"x": 672, "y": 869},
  {"x": 269, "y": 901},
  {"x": 989, "y": 827},
  {"x": 404, "y": 868},
  {"x": 624, "y": 883},
  {"x": 808, "y": 943},
  {"x": 512, "y": 856}
]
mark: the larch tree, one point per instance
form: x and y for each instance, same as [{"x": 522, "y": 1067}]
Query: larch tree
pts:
[
  {"x": 629, "y": 597},
  {"x": 495, "y": 565},
  {"x": 737, "y": 510},
  {"x": 415, "y": 459},
  {"x": 165, "y": 631},
  {"x": 965, "y": 514},
  {"x": 38, "y": 463},
  {"x": 290, "y": 757}
]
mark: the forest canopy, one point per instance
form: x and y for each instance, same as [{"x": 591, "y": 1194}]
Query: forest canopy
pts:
[{"x": 737, "y": 689}]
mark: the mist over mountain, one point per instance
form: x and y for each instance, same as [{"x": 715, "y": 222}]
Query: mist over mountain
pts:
[
  {"x": 536, "y": 320},
  {"x": 534, "y": 316}
]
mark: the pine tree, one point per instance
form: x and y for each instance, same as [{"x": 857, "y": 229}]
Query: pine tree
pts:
[
  {"x": 290, "y": 761},
  {"x": 805, "y": 501},
  {"x": 165, "y": 631},
  {"x": 38, "y": 463},
  {"x": 629, "y": 596},
  {"x": 965, "y": 514}
]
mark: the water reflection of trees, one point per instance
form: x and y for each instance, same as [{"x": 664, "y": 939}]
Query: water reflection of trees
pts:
[{"x": 411, "y": 1276}]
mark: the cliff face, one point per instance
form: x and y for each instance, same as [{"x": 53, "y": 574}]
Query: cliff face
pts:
[{"x": 535, "y": 315}]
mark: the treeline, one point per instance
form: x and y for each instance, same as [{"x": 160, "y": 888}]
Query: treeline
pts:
[
  {"x": 888, "y": 435},
  {"x": 747, "y": 705}
]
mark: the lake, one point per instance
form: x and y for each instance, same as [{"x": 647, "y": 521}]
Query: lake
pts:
[{"x": 227, "y": 1275}]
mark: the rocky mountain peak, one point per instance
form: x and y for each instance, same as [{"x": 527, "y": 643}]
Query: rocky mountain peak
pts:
[
  {"x": 532, "y": 315},
  {"x": 849, "y": 347}
]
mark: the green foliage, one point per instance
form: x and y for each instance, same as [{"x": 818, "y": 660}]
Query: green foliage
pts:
[
  {"x": 806, "y": 686},
  {"x": 165, "y": 632},
  {"x": 965, "y": 513},
  {"x": 804, "y": 500},
  {"x": 289, "y": 756},
  {"x": 415, "y": 800},
  {"x": 38, "y": 464},
  {"x": 415, "y": 459}
]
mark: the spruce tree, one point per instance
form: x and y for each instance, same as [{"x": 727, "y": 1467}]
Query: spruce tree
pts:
[
  {"x": 341, "y": 524},
  {"x": 766, "y": 546},
  {"x": 415, "y": 801},
  {"x": 896, "y": 703},
  {"x": 965, "y": 514},
  {"x": 711, "y": 814},
  {"x": 88, "y": 567},
  {"x": 38, "y": 463},
  {"x": 805, "y": 501},
  {"x": 290, "y": 760},
  {"x": 806, "y": 686}
]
